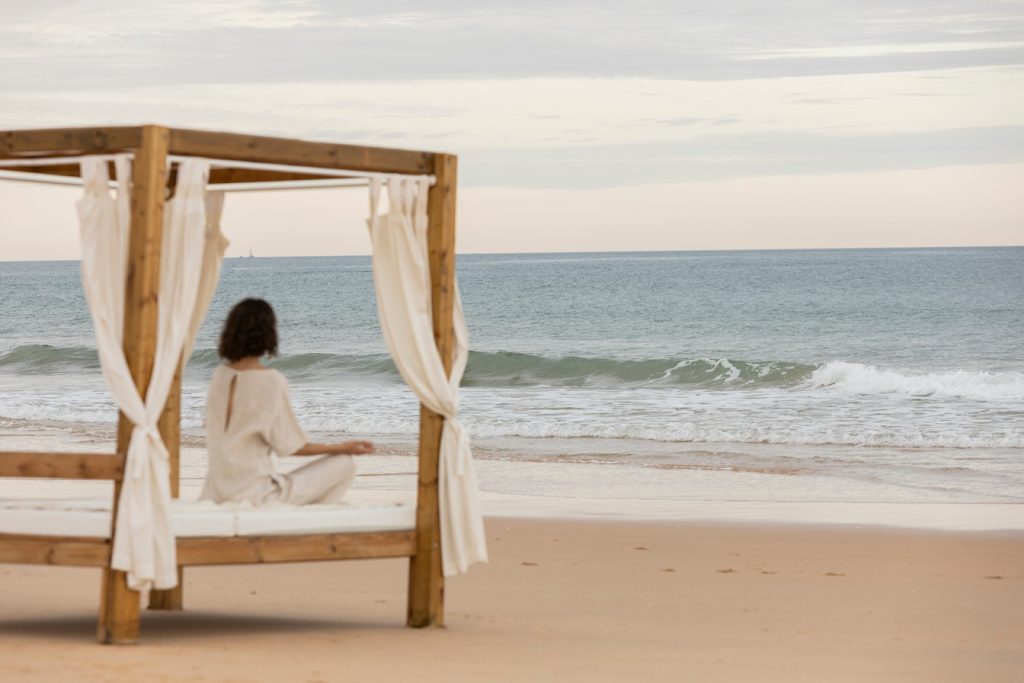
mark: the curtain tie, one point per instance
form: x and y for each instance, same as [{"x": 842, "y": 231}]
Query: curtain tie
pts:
[
  {"x": 141, "y": 434},
  {"x": 458, "y": 432}
]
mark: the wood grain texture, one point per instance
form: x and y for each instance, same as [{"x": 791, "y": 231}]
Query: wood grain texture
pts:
[
  {"x": 299, "y": 548},
  {"x": 95, "y": 552},
  {"x": 65, "y": 170},
  {"x": 172, "y": 599},
  {"x": 218, "y": 176},
  {"x": 169, "y": 599},
  {"x": 54, "y": 550},
  {"x": 426, "y": 579},
  {"x": 57, "y": 142},
  {"x": 16, "y": 144},
  {"x": 48, "y": 465},
  {"x": 119, "y": 607},
  {"x": 169, "y": 426},
  {"x": 228, "y": 176},
  {"x": 272, "y": 150}
]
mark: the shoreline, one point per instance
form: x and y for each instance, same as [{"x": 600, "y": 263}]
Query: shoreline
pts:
[
  {"x": 946, "y": 517},
  {"x": 537, "y": 489}
]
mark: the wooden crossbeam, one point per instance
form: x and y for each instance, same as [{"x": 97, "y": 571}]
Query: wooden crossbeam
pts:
[
  {"x": 303, "y": 548},
  {"x": 95, "y": 552},
  {"x": 19, "y": 144},
  {"x": 48, "y": 465},
  {"x": 65, "y": 170},
  {"x": 270, "y": 150},
  {"x": 218, "y": 176},
  {"x": 69, "y": 551}
]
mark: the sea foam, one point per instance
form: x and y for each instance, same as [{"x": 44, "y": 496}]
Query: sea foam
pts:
[{"x": 856, "y": 378}]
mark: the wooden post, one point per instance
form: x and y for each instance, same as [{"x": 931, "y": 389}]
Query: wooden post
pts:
[
  {"x": 169, "y": 425},
  {"x": 119, "y": 606},
  {"x": 170, "y": 432},
  {"x": 426, "y": 580},
  {"x": 170, "y": 428}
]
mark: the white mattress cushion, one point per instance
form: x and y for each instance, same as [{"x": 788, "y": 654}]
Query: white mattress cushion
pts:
[
  {"x": 90, "y": 517},
  {"x": 323, "y": 519}
]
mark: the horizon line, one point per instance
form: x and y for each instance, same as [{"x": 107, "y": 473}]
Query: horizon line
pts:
[{"x": 608, "y": 251}]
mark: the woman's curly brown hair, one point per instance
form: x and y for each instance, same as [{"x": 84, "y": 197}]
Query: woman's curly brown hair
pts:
[{"x": 250, "y": 330}]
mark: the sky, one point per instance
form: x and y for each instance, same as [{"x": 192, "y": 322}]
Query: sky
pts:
[{"x": 579, "y": 126}]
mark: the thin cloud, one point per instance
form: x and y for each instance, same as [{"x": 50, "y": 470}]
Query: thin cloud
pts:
[
  {"x": 736, "y": 156},
  {"x": 564, "y": 94},
  {"x": 62, "y": 44}
]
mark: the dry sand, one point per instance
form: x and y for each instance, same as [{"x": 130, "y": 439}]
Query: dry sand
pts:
[{"x": 567, "y": 601}]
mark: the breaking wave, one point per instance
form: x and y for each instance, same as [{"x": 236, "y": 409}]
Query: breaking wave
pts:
[
  {"x": 855, "y": 378},
  {"x": 501, "y": 368},
  {"x": 511, "y": 369}
]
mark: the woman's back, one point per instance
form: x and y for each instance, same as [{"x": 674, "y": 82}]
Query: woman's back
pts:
[{"x": 248, "y": 417}]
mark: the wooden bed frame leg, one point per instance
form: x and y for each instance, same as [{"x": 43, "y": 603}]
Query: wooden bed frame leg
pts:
[
  {"x": 172, "y": 599},
  {"x": 119, "y": 610},
  {"x": 426, "y": 579},
  {"x": 119, "y": 605}
]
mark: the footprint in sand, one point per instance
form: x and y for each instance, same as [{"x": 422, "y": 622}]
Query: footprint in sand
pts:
[
  {"x": 668, "y": 569},
  {"x": 726, "y": 571},
  {"x": 994, "y": 576},
  {"x": 834, "y": 574},
  {"x": 529, "y": 564}
]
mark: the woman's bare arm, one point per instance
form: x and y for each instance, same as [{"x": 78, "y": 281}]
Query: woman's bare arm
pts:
[{"x": 343, "y": 448}]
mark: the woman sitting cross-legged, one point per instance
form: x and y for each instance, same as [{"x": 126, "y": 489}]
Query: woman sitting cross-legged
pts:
[{"x": 249, "y": 416}]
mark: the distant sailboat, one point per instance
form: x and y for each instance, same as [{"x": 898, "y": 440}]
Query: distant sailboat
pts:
[{"x": 250, "y": 253}]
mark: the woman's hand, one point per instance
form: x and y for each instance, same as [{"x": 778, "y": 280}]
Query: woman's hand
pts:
[
  {"x": 356, "y": 447},
  {"x": 343, "y": 448}
]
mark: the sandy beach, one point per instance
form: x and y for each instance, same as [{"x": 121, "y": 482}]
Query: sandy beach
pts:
[
  {"x": 686, "y": 336},
  {"x": 568, "y": 601}
]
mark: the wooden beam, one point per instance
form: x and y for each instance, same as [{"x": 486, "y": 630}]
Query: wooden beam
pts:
[
  {"x": 40, "y": 465},
  {"x": 229, "y": 176},
  {"x": 95, "y": 552},
  {"x": 63, "y": 170},
  {"x": 300, "y": 548},
  {"x": 218, "y": 176},
  {"x": 55, "y": 550},
  {"x": 272, "y": 150},
  {"x": 169, "y": 426},
  {"x": 119, "y": 608},
  {"x": 426, "y": 580},
  {"x": 172, "y": 599},
  {"x": 17, "y": 144},
  {"x": 169, "y": 599},
  {"x": 236, "y": 176}
]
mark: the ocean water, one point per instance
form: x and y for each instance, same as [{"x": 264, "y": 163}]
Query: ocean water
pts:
[{"x": 849, "y": 375}]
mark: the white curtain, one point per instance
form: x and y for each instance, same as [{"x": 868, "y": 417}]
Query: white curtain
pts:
[
  {"x": 213, "y": 257},
  {"x": 143, "y": 544},
  {"x": 401, "y": 276}
]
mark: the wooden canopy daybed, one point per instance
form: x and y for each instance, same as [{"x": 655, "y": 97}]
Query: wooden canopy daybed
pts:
[{"x": 259, "y": 162}]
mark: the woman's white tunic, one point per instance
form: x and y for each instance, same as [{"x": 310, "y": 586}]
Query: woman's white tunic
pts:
[{"x": 241, "y": 447}]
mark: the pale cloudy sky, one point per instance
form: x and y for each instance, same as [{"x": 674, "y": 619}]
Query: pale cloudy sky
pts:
[{"x": 580, "y": 126}]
